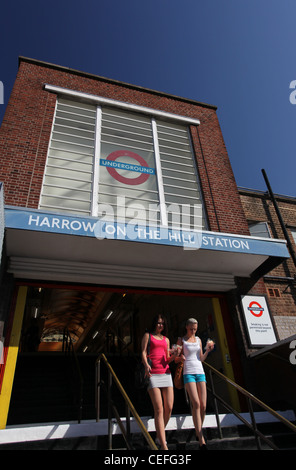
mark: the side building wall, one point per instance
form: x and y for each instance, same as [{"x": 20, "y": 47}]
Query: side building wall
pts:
[{"x": 280, "y": 282}]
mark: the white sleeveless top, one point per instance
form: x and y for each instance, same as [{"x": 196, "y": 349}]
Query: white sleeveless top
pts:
[{"x": 191, "y": 351}]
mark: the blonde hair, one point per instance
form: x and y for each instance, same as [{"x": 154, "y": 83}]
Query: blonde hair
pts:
[{"x": 191, "y": 320}]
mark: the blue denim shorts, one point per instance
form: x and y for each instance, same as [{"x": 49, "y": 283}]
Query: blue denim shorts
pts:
[{"x": 194, "y": 378}]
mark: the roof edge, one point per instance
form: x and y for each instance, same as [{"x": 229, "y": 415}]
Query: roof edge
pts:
[
  {"x": 261, "y": 193},
  {"x": 110, "y": 80}
]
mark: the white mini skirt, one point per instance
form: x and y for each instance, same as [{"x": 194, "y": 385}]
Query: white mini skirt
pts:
[{"x": 160, "y": 381}]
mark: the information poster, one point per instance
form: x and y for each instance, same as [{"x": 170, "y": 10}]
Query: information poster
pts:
[{"x": 258, "y": 320}]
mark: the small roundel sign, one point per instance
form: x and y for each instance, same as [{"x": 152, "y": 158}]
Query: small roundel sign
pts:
[
  {"x": 255, "y": 309},
  {"x": 140, "y": 166}
]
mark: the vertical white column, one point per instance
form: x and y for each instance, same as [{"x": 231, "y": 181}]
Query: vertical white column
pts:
[
  {"x": 163, "y": 212},
  {"x": 96, "y": 168}
]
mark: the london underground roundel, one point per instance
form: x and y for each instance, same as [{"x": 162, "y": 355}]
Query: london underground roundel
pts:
[
  {"x": 255, "y": 309},
  {"x": 140, "y": 166}
]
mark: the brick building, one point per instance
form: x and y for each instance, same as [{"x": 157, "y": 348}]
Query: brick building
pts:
[
  {"x": 280, "y": 282},
  {"x": 274, "y": 216},
  {"x": 120, "y": 202}
]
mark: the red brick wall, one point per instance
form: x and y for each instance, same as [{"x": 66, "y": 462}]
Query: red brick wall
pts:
[
  {"x": 259, "y": 208},
  {"x": 26, "y": 127}
]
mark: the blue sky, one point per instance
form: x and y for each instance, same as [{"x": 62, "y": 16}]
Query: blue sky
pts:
[{"x": 236, "y": 54}]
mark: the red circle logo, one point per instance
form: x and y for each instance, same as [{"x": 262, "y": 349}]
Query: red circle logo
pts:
[
  {"x": 255, "y": 309},
  {"x": 122, "y": 179}
]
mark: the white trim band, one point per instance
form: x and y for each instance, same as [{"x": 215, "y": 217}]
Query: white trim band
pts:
[{"x": 99, "y": 100}]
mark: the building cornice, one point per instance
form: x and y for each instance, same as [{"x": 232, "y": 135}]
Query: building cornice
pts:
[
  {"x": 112, "y": 81},
  {"x": 259, "y": 193}
]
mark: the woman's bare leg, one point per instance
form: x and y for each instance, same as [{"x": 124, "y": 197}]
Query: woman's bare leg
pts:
[
  {"x": 156, "y": 398},
  {"x": 202, "y": 393},
  {"x": 168, "y": 401},
  {"x": 191, "y": 388}
]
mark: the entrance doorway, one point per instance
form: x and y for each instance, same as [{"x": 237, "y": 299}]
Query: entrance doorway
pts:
[{"x": 113, "y": 321}]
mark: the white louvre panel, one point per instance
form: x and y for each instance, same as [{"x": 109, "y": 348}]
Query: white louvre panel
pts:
[
  {"x": 179, "y": 175},
  {"x": 67, "y": 184},
  {"x": 127, "y": 140},
  {"x": 121, "y": 163}
]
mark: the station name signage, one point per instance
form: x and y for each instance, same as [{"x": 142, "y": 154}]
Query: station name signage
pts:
[{"x": 102, "y": 229}]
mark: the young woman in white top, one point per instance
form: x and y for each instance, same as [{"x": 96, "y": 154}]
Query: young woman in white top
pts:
[{"x": 193, "y": 375}]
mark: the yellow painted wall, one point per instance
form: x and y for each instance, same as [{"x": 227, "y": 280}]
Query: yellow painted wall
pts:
[
  {"x": 227, "y": 366},
  {"x": 12, "y": 355}
]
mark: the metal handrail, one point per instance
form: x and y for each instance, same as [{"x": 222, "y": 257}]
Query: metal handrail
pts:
[
  {"x": 250, "y": 399},
  {"x": 68, "y": 347},
  {"x": 129, "y": 406}
]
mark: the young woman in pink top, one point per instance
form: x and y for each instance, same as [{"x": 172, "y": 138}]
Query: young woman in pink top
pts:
[{"x": 160, "y": 386}]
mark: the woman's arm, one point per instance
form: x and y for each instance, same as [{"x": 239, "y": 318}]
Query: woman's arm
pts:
[
  {"x": 209, "y": 348},
  {"x": 170, "y": 357},
  {"x": 144, "y": 353}
]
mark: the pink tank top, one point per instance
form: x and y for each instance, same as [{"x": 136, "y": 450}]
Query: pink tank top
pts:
[{"x": 158, "y": 355}]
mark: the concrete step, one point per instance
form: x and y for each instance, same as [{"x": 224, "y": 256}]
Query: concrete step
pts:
[{"x": 91, "y": 435}]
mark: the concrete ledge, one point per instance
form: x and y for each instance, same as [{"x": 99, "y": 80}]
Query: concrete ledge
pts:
[{"x": 48, "y": 431}]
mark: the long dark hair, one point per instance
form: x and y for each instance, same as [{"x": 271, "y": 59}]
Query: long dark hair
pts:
[{"x": 154, "y": 324}]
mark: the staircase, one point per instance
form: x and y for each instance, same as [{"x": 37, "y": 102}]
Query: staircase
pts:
[
  {"x": 49, "y": 401},
  {"x": 181, "y": 435}
]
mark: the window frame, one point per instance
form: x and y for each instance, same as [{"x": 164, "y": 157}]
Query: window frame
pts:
[
  {"x": 253, "y": 223},
  {"x": 293, "y": 232},
  {"x": 154, "y": 115}
]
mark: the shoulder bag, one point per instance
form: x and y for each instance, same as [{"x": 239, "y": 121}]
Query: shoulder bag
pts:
[{"x": 178, "y": 378}]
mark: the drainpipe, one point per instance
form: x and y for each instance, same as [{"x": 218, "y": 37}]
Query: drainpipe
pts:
[{"x": 289, "y": 243}]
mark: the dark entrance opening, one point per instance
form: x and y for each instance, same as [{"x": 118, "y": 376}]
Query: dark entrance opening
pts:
[{"x": 98, "y": 320}]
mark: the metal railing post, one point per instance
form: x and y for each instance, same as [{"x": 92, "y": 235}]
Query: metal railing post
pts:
[
  {"x": 98, "y": 389},
  {"x": 128, "y": 421},
  {"x": 254, "y": 424},
  {"x": 109, "y": 383},
  {"x": 216, "y": 406}
]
